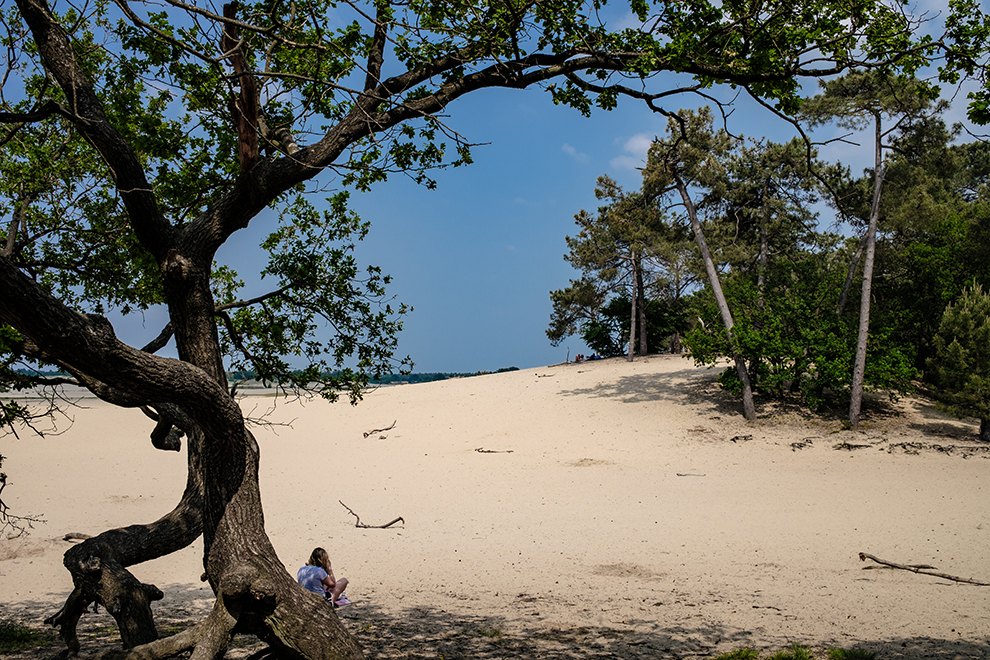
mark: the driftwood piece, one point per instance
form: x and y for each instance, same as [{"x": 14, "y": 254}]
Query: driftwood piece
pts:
[
  {"x": 921, "y": 569},
  {"x": 373, "y": 431},
  {"x": 363, "y": 526}
]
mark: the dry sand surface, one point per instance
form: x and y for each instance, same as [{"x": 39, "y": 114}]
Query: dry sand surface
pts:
[{"x": 600, "y": 509}]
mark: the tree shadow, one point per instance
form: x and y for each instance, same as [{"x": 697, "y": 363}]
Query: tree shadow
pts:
[
  {"x": 431, "y": 632},
  {"x": 690, "y": 385},
  {"x": 184, "y": 605},
  {"x": 936, "y": 423},
  {"x": 699, "y": 387}
]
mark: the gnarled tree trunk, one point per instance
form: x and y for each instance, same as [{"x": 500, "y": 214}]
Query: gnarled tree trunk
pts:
[{"x": 99, "y": 565}]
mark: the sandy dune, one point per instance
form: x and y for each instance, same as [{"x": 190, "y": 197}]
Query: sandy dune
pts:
[{"x": 580, "y": 510}]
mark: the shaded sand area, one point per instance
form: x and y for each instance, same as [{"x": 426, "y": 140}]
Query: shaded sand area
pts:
[{"x": 601, "y": 509}]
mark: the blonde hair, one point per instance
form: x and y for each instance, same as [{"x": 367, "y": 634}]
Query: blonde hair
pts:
[{"x": 320, "y": 558}]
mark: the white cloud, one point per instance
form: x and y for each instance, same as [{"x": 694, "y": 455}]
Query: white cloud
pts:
[
  {"x": 575, "y": 154},
  {"x": 635, "y": 149}
]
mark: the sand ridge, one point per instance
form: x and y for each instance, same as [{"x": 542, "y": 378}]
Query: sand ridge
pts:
[{"x": 573, "y": 510}]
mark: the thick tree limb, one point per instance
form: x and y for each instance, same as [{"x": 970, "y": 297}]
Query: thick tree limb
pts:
[
  {"x": 921, "y": 570},
  {"x": 160, "y": 341},
  {"x": 43, "y": 112},
  {"x": 246, "y": 109}
]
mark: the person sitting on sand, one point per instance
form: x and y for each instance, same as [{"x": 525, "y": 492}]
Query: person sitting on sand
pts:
[{"x": 317, "y": 576}]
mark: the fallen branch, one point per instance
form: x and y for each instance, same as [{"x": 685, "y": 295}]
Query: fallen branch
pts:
[
  {"x": 373, "y": 431},
  {"x": 363, "y": 526},
  {"x": 849, "y": 446},
  {"x": 921, "y": 569},
  {"x": 482, "y": 450}
]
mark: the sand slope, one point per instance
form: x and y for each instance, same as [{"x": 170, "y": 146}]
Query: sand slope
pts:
[{"x": 575, "y": 504}]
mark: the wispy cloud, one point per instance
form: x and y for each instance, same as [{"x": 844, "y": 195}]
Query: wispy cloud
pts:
[
  {"x": 575, "y": 154},
  {"x": 635, "y": 149}
]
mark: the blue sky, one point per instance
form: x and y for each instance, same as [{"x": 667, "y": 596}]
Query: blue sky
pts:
[{"x": 477, "y": 257}]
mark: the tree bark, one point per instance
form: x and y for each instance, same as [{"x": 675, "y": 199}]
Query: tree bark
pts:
[
  {"x": 749, "y": 408},
  {"x": 632, "y": 312},
  {"x": 847, "y": 285},
  {"x": 641, "y": 306},
  {"x": 985, "y": 429},
  {"x": 859, "y": 367}
]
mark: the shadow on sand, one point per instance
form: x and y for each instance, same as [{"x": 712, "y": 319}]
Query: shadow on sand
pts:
[
  {"x": 699, "y": 387},
  {"x": 684, "y": 386},
  {"x": 435, "y": 633}
]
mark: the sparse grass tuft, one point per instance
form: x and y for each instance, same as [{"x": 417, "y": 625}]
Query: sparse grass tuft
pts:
[
  {"x": 15, "y": 637},
  {"x": 491, "y": 634},
  {"x": 796, "y": 652},
  {"x": 740, "y": 654},
  {"x": 851, "y": 654}
]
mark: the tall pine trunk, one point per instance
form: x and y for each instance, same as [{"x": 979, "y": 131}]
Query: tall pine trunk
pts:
[
  {"x": 749, "y": 408},
  {"x": 641, "y": 305},
  {"x": 632, "y": 311},
  {"x": 859, "y": 367}
]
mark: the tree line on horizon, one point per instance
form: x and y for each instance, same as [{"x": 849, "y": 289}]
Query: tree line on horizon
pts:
[{"x": 723, "y": 250}]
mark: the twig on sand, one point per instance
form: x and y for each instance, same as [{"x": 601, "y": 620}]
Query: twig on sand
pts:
[
  {"x": 482, "y": 450},
  {"x": 921, "y": 569},
  {"x": 363, "y": 526},
  {"x": 372, "y": 431}
]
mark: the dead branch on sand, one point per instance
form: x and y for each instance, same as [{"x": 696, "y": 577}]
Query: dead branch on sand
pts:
[
  {"x": 363, "y": 526},
  {"x": 920, "y": 569},
  {"x": 482, "y": 450},
  {"x": 389, "y": 428}
]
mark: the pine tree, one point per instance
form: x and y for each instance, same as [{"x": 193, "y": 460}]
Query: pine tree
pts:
[{"x": 961, "y": 363}]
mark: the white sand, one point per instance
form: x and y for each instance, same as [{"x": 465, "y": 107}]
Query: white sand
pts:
[{"x": 610, "y": 495}]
